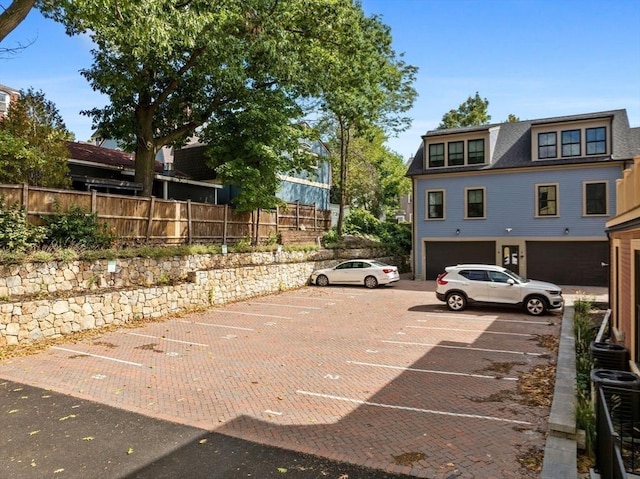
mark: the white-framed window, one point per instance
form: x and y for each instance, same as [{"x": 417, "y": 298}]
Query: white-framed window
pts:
[
  {"x": 594, "y": 198},
  {"x": 475, "y": 205},
  {"x": 4, "y": 103},
  {"x": 547, "y": 200},
  {"x": 435, "y": 204}
]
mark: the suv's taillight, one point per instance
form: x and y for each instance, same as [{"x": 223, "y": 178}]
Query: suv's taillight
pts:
[{"x": 440, "y": 279}]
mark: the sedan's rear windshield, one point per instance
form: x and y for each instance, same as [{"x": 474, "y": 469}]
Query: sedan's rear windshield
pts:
[{"x": 379, "y": 263}]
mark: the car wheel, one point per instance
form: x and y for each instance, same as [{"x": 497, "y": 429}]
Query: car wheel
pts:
[
  {"x": 370, "y": 282},
  {"x": 456, "y": 301},
  {"x": 535, "y": 305},
  {"x": 322, "y": 280}
]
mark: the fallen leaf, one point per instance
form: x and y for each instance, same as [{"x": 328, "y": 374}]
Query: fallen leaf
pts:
[
  {"x": 57, "y": 471},
  {"x": 13, "y": 411},
  {"x": 70, "y": 416},
  {"x": 32, "y": 433},
  {"x": 202, "y": 441},
  {"x": 130, "y": 450},
  {"x": 282, "y": 469}
]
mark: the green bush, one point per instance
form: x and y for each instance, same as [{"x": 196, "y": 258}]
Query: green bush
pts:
[
  {"x": 396, "y": 238},
  {"x": 77, "y": 228},
  {"x": 361, "y": 221},
  {"x": 16, "y": 234}
]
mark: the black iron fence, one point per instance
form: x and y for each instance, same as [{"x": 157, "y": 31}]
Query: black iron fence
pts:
[{"x": 617, "y": 429}]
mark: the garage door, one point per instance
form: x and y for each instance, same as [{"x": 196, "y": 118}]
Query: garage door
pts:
[
  {"x": 569, "y": 262},
  {"x": 447, "y": 253}
]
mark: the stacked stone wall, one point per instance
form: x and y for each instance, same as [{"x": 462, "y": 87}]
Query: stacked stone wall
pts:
[{"x": 40, "y": 301}]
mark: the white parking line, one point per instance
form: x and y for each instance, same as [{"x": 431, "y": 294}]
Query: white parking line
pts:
[
  {"x": 166, "y": 339},
  {"x": 218, "y": 325},
  {"x": 431, "y": 371},
  {"x": 466, "y": 348},
  {"x": 286, "y": 305},
  {"x": 96, "y": 356},
  {"x": 412, "y": 409},
  {"x": 492, "y": 320},
  {"x": 254, "y": 314},
  {"x": 349, "y": 294},
  {"x": 482, "y": 331},
  {"x": 318, "y": 299}
]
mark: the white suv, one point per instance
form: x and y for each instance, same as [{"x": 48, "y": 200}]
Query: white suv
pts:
[{"x": 483, "y": 283}]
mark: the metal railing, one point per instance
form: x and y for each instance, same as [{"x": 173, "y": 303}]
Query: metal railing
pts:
[{"x": 617, "y": 431}]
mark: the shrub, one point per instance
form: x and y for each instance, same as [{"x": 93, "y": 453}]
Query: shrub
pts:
[
  {"x": 77, "y": 228},
  {"x": 361, "y": 221},
  {"x": 16, "y": 234}
]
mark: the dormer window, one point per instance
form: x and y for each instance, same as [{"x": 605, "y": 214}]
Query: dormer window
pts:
[
  {"x": 596, "y": 141},
  {"x": 571, "y": 143},
  {"x": 547, "y": 145},
  {"x": 436, "y": 155},
  {"x": 476, "y": 151},
  {"x": 451, "y": 151},
  {"x": 570, "y": 140},
  {"x": 456, "y": 153}
]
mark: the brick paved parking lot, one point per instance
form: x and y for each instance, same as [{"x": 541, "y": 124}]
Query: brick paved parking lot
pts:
[{"x": 385, "y": 378}]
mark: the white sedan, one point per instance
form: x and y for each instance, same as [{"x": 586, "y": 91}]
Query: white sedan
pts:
[{"x": 369, "y": 272}]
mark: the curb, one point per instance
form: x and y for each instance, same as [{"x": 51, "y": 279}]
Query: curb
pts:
[{"x": 560, "y": 452}]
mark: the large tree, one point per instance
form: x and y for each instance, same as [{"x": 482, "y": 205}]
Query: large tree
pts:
[
  {"x": 171, "y": 67},
  {"x": 33, "y": 143},
  {"x": 470, "y": 113},
  {"x": 376, "y": 178},
  {"x": 368, "y": 87},
  {"x": 13, "y": 15}
]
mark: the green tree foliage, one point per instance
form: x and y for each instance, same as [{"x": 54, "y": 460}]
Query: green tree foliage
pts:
[
  {"x": 171, "y": 67},
  {"x": 396, "y": 238},
  {"x": 470, "y": 113},
  {"x": 512, "y": 118},
  {"x": 16, "y": 234},
  {"x": 373, "y": 89},
  {"x": 33, "y": 143},
  {"x": 251, "y": 144},
  {"x": 376, "y": 178}
]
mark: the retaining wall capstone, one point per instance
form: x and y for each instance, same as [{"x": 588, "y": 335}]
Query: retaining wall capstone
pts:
[{"x": 54, "y": 299}]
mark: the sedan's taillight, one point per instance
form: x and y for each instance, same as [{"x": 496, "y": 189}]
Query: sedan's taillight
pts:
[
  {"x": 387, "y": 270},
  {"x": 440, "y": 279}
]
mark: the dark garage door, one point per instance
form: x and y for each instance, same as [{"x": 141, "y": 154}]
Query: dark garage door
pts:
[
  {"x": 448, "y": 253},
  {"x": 576, "y": 263}
]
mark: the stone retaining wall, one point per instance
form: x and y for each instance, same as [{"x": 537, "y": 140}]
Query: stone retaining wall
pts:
[{"x": 87, "y": 295}]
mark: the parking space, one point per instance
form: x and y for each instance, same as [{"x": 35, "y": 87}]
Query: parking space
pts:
[{"x": 385, "y": 378}]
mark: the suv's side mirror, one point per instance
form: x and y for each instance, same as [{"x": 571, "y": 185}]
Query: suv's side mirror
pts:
[{"x": 511, "y": 282}]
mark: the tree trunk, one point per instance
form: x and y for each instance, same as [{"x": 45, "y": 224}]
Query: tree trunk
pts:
[
  {"x": 145, "y": 151},
  {"x": 13, "y": 15},
  {"x": 344, "y": 148}
]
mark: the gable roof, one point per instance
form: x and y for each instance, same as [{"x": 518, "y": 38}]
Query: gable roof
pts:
[
  {"x": 512, "y": 148},
  {"x": 86, "y": 152}
]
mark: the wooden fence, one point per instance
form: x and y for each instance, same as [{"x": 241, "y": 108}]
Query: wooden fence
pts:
[{"x": 148, "y": 220}]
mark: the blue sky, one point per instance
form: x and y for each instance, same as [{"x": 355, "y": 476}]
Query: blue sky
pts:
[{"x": 532, "y": 58}]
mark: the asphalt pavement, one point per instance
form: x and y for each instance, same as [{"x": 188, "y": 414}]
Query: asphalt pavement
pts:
[{"x": 47, "y": 434}]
